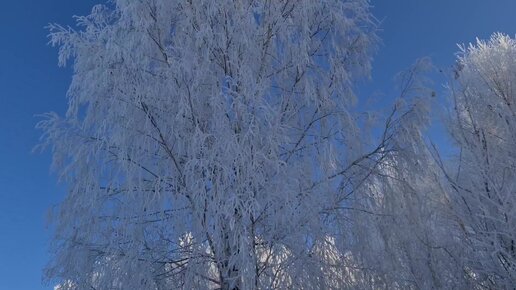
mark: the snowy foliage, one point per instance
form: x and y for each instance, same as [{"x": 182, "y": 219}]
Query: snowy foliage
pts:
[
  {"x": 484, "y": 185},
  {"x": 216, "y": 145},
  {"x": 207, "y": 143}
]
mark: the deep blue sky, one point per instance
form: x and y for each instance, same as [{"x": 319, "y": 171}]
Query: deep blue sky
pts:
[{"x": 31, "y": 83}]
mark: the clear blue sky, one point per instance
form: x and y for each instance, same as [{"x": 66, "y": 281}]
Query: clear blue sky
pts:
[{"x": 31, "y": 83}]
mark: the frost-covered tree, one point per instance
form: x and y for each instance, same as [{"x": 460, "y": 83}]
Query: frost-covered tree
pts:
[
  {"x": 401, "y": 229},
  {"x": 433, "y": 226},
  {"x": 210, "y": 144},
  {"x": 483, "y": 188}
]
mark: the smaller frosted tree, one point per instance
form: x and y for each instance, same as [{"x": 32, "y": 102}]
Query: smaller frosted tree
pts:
[
  {"x": 401, "y": 216},
  {"x": 483, "y": 189}
]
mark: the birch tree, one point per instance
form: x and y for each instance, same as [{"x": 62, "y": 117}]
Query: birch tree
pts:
[
  {"x": 483, "y": 187},
  {"x": 403, "y": 233},
  {"x": 209, "y": 144}
]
